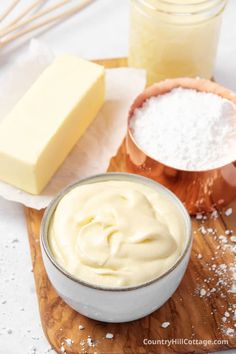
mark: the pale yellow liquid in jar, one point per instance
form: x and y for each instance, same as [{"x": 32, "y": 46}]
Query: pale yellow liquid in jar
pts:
[{"x": 169, "y": 46}]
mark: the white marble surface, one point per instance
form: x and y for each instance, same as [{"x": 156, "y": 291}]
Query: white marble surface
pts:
[{"x": 101, "y": 31}]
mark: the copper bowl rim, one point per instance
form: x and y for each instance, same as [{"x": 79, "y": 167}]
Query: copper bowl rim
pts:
[{"x": 165, "y": 86}]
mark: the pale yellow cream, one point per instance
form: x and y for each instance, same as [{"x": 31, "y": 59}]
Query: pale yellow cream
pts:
[{"x": 116, "y": 233}]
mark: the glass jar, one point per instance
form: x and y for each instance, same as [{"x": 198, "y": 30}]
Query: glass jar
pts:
[{"x": 174, "y": 38}]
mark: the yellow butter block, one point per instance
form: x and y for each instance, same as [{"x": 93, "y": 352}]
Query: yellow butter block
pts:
[{"x": 43, "y": 127}]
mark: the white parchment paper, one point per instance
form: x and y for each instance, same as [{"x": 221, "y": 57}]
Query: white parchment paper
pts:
[{"x": 101, "y": 141}]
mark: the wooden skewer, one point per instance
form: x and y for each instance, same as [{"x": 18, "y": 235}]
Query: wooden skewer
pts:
[
  {"x": 25, "y": 12},
  {"x": 52, "y": 8},
  {"x": 9, "y": 10},
  {"x": 48, "y": 21}
]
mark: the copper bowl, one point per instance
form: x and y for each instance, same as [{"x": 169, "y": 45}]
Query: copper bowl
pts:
[{"x": 200, "y": 191}]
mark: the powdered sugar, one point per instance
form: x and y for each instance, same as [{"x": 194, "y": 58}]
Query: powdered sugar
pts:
[{"x": 187, "y": 129}]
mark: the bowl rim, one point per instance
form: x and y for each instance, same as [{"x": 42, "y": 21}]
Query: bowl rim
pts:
[{"x": 109, "y": 176}]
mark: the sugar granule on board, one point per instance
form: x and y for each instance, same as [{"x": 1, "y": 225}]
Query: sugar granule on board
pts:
[
  {"x": 62, "y": 349},
  {"x": 202, "y": 292},
  {"x": 229, "y": 332},
  {"x": 222, "y": 274},
  {"x": 199, "y": 216},
  {"x": 228, "y": 212},
  {"x": 109, "y": 336},
  {"x": 90, "y": 342},
  {"x": 165, "y": 324},
  {"x": 187, "y": 129},
  {"x": 69, "y": 342}
]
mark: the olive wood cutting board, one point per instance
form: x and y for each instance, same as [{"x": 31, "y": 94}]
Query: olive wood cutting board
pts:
[{"x": 195, "y": 312}]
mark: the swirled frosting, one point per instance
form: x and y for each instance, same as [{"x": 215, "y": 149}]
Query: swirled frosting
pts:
[{"x": 116, "y": 233}]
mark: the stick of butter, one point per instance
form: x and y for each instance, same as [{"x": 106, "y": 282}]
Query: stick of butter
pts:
[{"x": 45, "y": 124}]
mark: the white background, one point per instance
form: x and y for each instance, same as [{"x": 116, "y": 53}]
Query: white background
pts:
[{"x": 100, "y": 31}]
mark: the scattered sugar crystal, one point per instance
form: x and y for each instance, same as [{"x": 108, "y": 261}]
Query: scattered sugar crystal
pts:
[
  {"x": 199, "y": 216},
  {"x": 203, "y": 292},
  {"x": 90, "y": 342},
  {"x": 233, "y": 238},
  {"x": 165, "y": 324},
  {"x": 224, "y": 319},
  {"x": 215, "y": 214},
  {"x": 228, "y": 212},
  {"x": 203, "y": 230},
  {"x": 223, "y": 239},
  {"x": 109, "y": 336},
  {"x": 201, "y": 128},
  {"x": 199, "y": 256},
  {"x": 35, "y": 338},
  {"x": 210, "y": 230},
  {"x": 62, "y": 349},
  {"x": 81, "y": 327},
  {"x": 226, "y": 314},
  {"x": 223, "y": 267},
  {"x": 69, "y": 342},
  {"x": 33, "y": 350},
  {"x": 229, "y": 332}
]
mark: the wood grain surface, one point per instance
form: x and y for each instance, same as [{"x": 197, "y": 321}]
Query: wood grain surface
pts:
[{"x": 195, "y": 312}]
